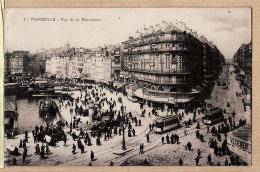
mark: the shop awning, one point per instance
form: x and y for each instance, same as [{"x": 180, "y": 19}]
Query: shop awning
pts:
[
  {"x": 183, "y": 100},
  {"x": 138, "y": 93},
  {"x": 161, "y": 99}
]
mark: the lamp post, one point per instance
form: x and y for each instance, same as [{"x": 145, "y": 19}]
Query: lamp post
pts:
[
  {"x": 71, "y": 112},
  {"x": 123, "y": 141},
  {"x": 123, "y": 128}
]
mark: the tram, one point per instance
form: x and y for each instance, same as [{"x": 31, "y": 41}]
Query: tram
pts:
[
  {"x": 214, "y": 116},
  {"x": 166, "y": 123}
]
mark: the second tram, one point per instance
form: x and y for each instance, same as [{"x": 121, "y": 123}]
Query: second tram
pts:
[
  {"x": 214, "y": 116},
  {"x": 166, "y": 123}
]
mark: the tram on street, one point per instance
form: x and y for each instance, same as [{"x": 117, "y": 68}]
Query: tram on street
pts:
[
  {"x": 166, "y": 123},
  {"x": 214, "y": 116}
]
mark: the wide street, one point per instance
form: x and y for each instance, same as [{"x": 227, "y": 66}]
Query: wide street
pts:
[{"x": 154, "y": 151}]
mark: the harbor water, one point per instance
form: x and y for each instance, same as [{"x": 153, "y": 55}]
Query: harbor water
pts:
[{"x": 29, "y": 117}]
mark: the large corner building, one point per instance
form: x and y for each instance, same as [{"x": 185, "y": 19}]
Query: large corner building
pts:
[{"x": 170, "y": 63}]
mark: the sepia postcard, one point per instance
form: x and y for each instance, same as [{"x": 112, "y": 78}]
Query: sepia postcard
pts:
[{"x": 127, "y": 87}]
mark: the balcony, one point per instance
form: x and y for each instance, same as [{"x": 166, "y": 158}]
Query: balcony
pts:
[
  {"x": 181, "y": 72},
  {"x": 157, "y": 50},
  {"x": 158, "y": 82},
  {"x": 155, "y": 40}
]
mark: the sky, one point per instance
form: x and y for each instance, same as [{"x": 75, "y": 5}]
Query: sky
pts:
[{"x": 228, "y": 28}]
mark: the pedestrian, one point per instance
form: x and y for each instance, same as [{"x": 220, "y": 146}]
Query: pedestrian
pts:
[
  {"x": 209, "y": 159},
  {"x": 24, "y": 143},
  {"x": 180, "y": 162},
  {"x": 92, "y": 155},
  {"x": 199, "y": 152},
  {"x": 197, "y": 161},
  {"x": 129, "y": 133},
  {"x": 133, "y": 132},
  {"x": 140, "y": 148},
  {"x": 232, "y": 160},
  {"x": 216, "y": 150},
  {"x": 197, "y": 134},
  {"x": 119, "y": 131},
  {"x": 162, "y": 140},
  {"x": 14, "y": 161},
  {"x": 35, "y": 138},
  {"x": 172, "y": 139},
  {"x": 37, "y": 149},
  {"x": 26, "y": 136},
  {"x": 89, "y": 141},
  {"x": 176, "y": 138},
  {"x": 167, "y": 139},
  {"x": 147, "y": 137},
  {"x": 189, "y": 146},
  {"x": 47, "y": 150},
  {"x": 201, "y": 138},
  {"x": 65, "y": 141},
  {"x": 226, "y": 162},
  {"x": 42, "y": 148},
  {"x": 111, "y": 163},
  {"x": 82, "y": 149},
  {"x": 185, "y": 131},
  {"x": 73, "y": 149},
  {"x": 21, "y": 143},
  {"x": 42, "y": 154},
  {"x": 24, "y": 154},
  {"x": 139, "y": 122},
  {"x": 198, "y": 125}
]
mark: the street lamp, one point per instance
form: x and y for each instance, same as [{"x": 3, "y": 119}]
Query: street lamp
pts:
[
  {"x": 123, "y": 141},
  {"x": 71, "y": 112},
  {"x": 123, "y": 128}
]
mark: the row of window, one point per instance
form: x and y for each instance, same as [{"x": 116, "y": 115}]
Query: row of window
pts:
[{"x": 162, "y": 37}]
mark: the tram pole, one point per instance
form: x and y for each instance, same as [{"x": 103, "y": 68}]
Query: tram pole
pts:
[
  {"x": 123, "y": 127},
  {"x": 71, "y": 111}
]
